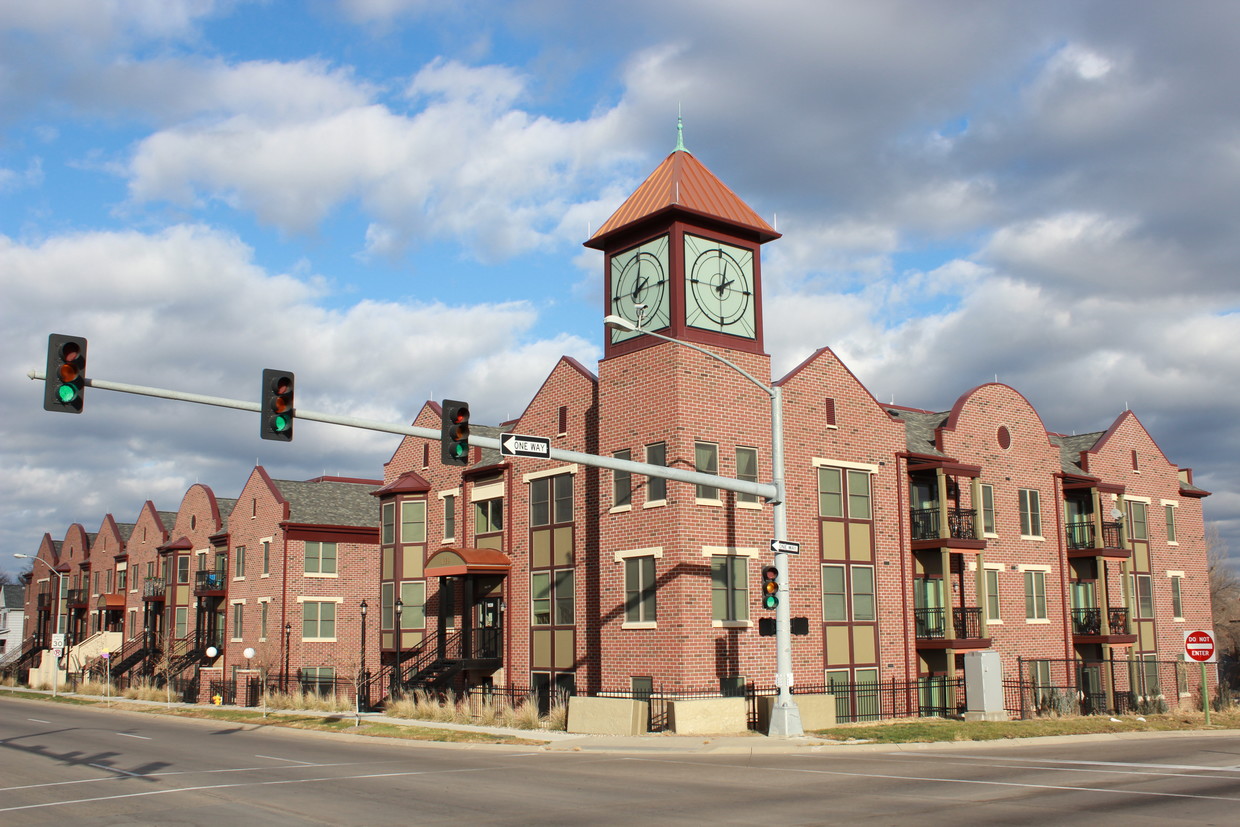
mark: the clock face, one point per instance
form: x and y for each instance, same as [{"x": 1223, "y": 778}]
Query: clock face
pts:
[
  {"x": 719, "y": 287},
  {"x": 640, "y": 291}
]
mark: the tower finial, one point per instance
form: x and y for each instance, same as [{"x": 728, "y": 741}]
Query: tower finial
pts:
[{"x": 680, "y": 132}]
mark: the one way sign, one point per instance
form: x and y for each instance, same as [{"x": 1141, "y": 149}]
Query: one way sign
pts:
[{"x": 515, "y": 445}]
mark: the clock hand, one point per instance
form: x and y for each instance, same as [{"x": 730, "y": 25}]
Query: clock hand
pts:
[
  {"x": 723, "y": 286},
  {"x": 642, "y": 281}
]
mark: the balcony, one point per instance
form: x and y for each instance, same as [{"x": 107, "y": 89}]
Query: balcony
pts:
[
  {"x": 78, "y": 598},
  {"x": 1081, "y": 539},
  {"x": 932, "y": 630},
  {"x": 1087, "y": 626},
  {"x": 153, "y": 588},
  {"x": 44, "y": 602},
  {"x": 925, "y": 528},
  {"x": 209, "y": 583}
]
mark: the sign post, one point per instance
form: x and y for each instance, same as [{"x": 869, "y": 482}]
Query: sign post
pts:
[{"x": 1199, "y": 646}]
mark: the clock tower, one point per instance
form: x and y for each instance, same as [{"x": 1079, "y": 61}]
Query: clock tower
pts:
[{"x": 682, "y": 257}]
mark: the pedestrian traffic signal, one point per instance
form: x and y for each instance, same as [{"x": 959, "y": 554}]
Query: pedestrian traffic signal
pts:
[
  {"x": 454, "y": 433},
  {"x": 64, "y": 386},
  {"x": 278, "y": 410},
  {"x": 770, "y": 587}
]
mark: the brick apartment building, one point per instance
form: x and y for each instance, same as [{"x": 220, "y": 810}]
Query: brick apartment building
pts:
[{"x": 924, "y": 535}]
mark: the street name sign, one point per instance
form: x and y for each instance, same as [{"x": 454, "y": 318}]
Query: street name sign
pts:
[
  {"x": 515, "y": 445},
  {"x": 1199, "y": 646},
  {"x": 786, "y": 546}
]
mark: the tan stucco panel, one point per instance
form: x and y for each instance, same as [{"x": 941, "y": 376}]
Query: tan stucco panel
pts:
[
  {"x": 540, "y": 549},
  {"x": 540, "y": 657},
  {"x": 859, "y": 546},
  {"x": 832, "y": 541},
  {"x": 863, "y": 644},
  {"x": 411, "y": 562},
  {"x": 838, "y": 653}
]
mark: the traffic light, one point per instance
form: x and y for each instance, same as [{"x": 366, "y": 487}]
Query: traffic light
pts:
[
  {"x": 770, "y": 587},
  {"x": 278, "y": 411},
  {"x": 454, "y": 433},
  {"x": 64, "y": 387}
]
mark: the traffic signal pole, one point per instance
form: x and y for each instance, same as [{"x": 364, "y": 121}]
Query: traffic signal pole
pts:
[{"x": 760, "y": 489}]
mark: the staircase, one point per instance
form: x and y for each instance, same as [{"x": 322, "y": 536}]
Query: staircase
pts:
[{"x": 438, "y": 660}]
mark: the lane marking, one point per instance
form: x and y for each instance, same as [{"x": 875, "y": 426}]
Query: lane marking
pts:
[
  {"x": 115, "y": 769},
  {"x": 1069, "y": 761},
  {"x": 1081, "y": 770},
  {"x": 934, "y": 780},
  {"x": 38, "y": 720},
  {"x": 290, "y": 760},
  {"x": 127, "y": 735},
  {"x": 206, "y": 787},
  {"x": 185, "y": 772}
]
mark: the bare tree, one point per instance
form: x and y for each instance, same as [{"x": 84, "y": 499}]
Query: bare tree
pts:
[{"x": 1224, "y": 592}]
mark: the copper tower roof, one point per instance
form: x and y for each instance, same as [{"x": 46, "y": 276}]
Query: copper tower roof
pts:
[{"x": 683, "y": 182}]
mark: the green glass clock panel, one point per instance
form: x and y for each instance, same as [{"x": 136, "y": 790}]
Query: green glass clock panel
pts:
[
  {"x": 640, "y": 287},
  {"x": 719, "y": 287}
]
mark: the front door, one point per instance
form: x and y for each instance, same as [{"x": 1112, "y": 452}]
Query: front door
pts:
[{"x": 490, "y": 623}]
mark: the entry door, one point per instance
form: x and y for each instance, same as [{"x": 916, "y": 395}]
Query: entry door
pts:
[{"x": 490, "y": 625}]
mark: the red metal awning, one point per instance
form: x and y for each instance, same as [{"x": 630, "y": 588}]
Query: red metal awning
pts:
[{"x": 452, "y": 562}]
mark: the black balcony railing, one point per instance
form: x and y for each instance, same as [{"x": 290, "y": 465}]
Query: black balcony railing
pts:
[
  {"x": 153, "y": 587},
  {"x": 931, "y": 624},
  {"x": 1112, "y": 537},
  {"x": 1089, "y": 621},
  {"x": 924, "y": 523},
  {"x": 1086, "y": 621},
  {"x": 208, "y": 581},
  {"x": 967, "y": 622},
  {"x": 211, "y": 637},
  {"x": 44, "y": 601},
  {"x": 1119, "y": 620},
  {"x": 78, "y": 597},
  {"x": 1081, "y": 535}
]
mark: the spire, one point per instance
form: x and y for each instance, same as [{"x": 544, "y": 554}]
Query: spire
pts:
[{"x": 680, "y": 133}]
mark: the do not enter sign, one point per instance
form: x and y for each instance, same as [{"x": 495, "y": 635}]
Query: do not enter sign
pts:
[{"x": 1199, "y": 646}]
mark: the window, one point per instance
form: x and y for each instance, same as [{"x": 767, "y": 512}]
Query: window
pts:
[
  {"x": 706, "y": 461},
  {"x": 238, "y": 619},
  {"x": 639, "y": 590},
  {"x": 413, "y": 605},
  {"x": 266, "y": 557},
  {"x": 183, "y": 568},
  {"x": 239, "y": 561},
  {"x": 182, "y": 622},
  {"x": 728, "y": 588},
  {"x": 1170, "y": 511},
  {"x": 387, "y": 521},
  {"x": 1177, "y": 600},
  {"x": 413, "y": 522},
  {"x": 859, "y": 495},
  {"x": 262, "y": 620},
  {"x": 1144, "y": 588},
  {"x": 656, "y": 487},
  {"x": 835, "y": 593},
  {"x": 488, "y": 516},
  {"x": 1149, "y": 676},
  {"x": 122, "y": 579},
  {"x": 540, "y": 598},
  {"x": 1138, "y": 520},
  {"x": 834, "y": 598},
  {"x": 387, "y": 605},
  {"x": 564, "y": 615},
  {"x": 1030, "y": 513},
  {"x": 747, "y": 470},
  {"x": 1040, "y": 673},
  {"x": 622, "y": 483},
  {"x": 320, "y": 558},
  {"x": 830, "y": 493},
  {"x": 318, "y": 620},
  {"x": 988, "y": 509},
  {"x": 863, "y": 592},
  {"x": 992, "y": 594},
  {"x": 449, "y": 516},
  {"x": 319, "y": 680},
  {"x": 551, "y": 500},
  {"x": 1035, "y": 595}
]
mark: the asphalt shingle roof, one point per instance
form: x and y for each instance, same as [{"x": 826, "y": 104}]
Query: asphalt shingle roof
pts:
[{"x": 330, "y": 503}]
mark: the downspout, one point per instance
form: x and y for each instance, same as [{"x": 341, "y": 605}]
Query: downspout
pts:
[{"x": 1061, "y": 545}]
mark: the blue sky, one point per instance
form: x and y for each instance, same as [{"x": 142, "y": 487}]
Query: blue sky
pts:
[{"x": 1045, "y": 192}]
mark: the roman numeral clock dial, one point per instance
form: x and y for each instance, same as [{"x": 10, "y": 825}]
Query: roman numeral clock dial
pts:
[{"x": 719, "y": 287}]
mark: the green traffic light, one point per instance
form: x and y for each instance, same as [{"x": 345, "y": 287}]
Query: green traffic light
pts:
[
  {"x": 66, "y": 393},
  {"x": 460, "y": 450},
  {"x": 770, "y": 601},
  {"x": 279, "y": 424}
]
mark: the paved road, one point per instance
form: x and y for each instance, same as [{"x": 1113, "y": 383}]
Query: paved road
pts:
[{"x": 84, "y": 765}]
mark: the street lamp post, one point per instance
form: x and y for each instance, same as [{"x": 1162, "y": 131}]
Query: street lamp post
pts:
[
  {"x": 59, "y": 588},
  {"x": 400, "y": 607},
  {"x": 786, "y": 716},
  {"x": 365, "y": 683},
  {"x": 288, "y": 631}
]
